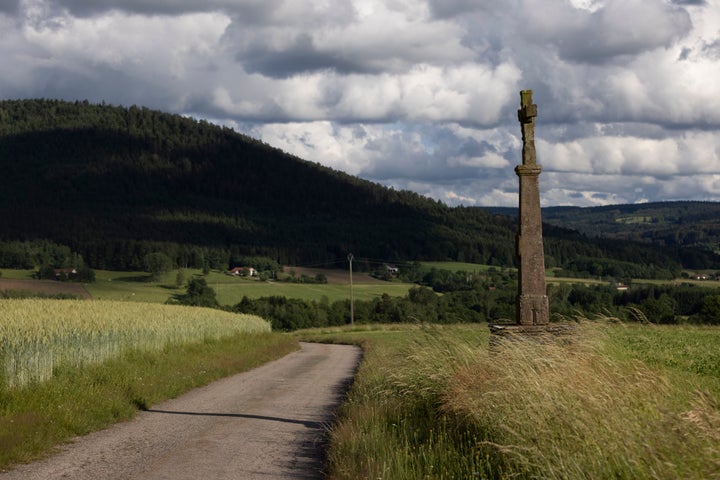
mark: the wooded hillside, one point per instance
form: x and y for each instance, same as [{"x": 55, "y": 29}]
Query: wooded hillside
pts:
[
  {"x": 689, "y": 227},
  {"x": 116, "y": 183}
]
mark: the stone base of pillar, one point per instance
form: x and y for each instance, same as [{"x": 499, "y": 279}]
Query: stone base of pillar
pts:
[
  {"x": 551, "y": 332},
  {"x": 533, "y": 310}
]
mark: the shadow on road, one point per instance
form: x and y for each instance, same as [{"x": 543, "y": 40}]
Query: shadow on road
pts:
[{"x": 308, "y": 424}]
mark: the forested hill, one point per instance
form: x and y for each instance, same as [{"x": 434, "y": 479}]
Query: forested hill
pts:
[
  {"x": 116, "y": 183},
  {"x": 108, "y": 180}
]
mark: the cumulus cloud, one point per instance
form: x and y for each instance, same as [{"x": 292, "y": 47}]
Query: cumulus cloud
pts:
[
  {"x": 414, "y": 94},
  {"x": 423, "y": 93},
  {"x": 372, "y": 37}
]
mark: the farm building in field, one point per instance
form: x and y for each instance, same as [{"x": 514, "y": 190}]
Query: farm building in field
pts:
[
  {"x": 391, "y": 270},
  {"x": 243, "y": 272},
  {"x": 64, "y": 273}
]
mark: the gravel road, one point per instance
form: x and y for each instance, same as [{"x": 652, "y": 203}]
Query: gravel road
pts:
[{"x": 268, "y": 423}]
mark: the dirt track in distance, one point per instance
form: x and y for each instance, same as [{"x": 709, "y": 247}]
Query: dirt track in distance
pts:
[
  {"x": 47, "y": 287},
  {"x": 268, "y": 423}
]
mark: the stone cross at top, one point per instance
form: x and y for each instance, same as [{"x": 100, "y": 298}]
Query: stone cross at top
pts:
[{"x": 526, "y": 116}]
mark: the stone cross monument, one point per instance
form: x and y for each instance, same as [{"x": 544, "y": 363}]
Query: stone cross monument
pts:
[{"x": 532, "y": 301}]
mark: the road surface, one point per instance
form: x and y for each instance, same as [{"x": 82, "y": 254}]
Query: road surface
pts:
[{"x": 268, "y": 423}]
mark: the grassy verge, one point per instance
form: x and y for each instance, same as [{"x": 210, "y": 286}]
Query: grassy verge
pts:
[
  {"x": 76, "y": 401},
  {"x": 620, "y": 402}
]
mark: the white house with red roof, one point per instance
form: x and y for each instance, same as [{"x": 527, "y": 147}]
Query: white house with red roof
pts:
[{"x": 243, "y": 272}]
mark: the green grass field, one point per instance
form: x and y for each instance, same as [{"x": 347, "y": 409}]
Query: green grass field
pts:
[
  {"x": 230, "y": 290},
  {"x": 137, "y": 287},
  {"x": 459, "y": 266},
  {"x": 230, "y": 294},
  {"x": 17, "y": 274},
  {"x": 621, "y": 401}
]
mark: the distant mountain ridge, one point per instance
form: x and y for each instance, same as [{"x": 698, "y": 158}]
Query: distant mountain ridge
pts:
[
  {"x": 115, "y": 183},
  {"x": 689, "y": 227},
  {"x": 674, "y": 224}
]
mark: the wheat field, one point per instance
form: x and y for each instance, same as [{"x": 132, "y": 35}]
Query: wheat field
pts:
[{"x": 37, "y": 336}]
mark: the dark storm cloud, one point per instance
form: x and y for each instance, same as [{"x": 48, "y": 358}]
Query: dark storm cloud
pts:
[
  {"x": 452, "y": 8},
  {"x": 101, "y": 85},
  {"x": 9, "y": 6},
  {"x": 252, "y": 9},
  {"x": 689, "y": 2},
  {"x": 443, "y": 157},
  {"x": 620, "y": 28},
  {"x": 712, "y": 50},
  {"x": 300, "y": 57},
  {"x": 474, "y": 148}
]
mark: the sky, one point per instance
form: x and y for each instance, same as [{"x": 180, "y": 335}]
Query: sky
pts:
[{"x": 418, "y": 95}]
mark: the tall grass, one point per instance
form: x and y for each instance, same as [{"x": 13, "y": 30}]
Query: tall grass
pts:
[
  {"x": 39, "y": 336},
  {"x": 572, "y": 411},
  {"x": 441, "y": 404}
]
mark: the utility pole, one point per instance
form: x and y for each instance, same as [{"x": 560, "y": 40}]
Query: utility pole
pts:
[{"x": 352, "y": 309}]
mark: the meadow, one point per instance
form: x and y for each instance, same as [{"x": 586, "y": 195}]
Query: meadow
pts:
[
  {"x": 230, "y": 290},
  {"x": 620, "y": 401},
  {"x": 138, "y": 287}
]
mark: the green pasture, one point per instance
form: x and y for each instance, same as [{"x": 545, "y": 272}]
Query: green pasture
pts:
[
  {"x": 16, "y": 274},
  {"x": 131, "y": 287},
  {"x": 572, "y": 280},
  {"x": 136, "y": 286},
  {"x": 232, "y": 293},
  {"x": 461, "y": 267}
]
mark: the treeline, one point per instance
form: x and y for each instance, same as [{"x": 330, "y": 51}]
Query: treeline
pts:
[
  {"x": 28, "y": 255},
  {"x": 48, "y": 257},
  {"x": 490, "y": 297},
  {"x": 115, "y": 184},
  {"x": 666, "y": 304},
  {"x": 52, "y": 261},
  {"x": 420, "y": 305}
]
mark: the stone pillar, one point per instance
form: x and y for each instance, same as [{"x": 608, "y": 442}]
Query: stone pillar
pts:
[{"x": 532, "y": 302}]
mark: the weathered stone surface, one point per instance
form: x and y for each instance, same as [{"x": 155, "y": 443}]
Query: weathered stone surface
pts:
[
  {"x": 564, "y": 333},
  {"x": 532, "y": 307}
]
